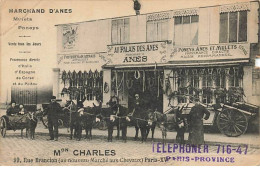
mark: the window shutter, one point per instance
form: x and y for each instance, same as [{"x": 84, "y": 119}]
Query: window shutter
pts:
[
  {"x": 223, "y": 33},
  {"x": 114, "y": 32},
  {"x": 242, "y": 36}
]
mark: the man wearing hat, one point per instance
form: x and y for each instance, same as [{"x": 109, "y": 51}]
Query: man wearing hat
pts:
[
  {"x": 52, "y": 112},
  {"x": 197, "y": 113},
  {"x": 13, "y": 109}
]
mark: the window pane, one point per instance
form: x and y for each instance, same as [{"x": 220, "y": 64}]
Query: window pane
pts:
[
  {"x": 164, "y": 29},
  {"x": 178, "y": 20},
  {"x": 223, "y": 33},
  {"x": 120, "y": 31},
  {"x": 186, "y": 19},
  {"x": 242, "y": 26},
  {"x": 126, "y": 31},
  {"x": 114, "y": 32},
  {"x": 186, "y": 34},
  {"x": 194, "y": 18},
  {"x": 233, "y": 27},
  {"x": 178, "y": 34},
  {"x": 194, "y": 33},
  {"x": 150, "y": 31}
]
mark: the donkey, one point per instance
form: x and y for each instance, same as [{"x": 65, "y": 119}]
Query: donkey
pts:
[
  {"x": 32, "y": 124},
  {"x": 116, "y": 116},
  {"x": 171, "y": 119},
  {"x": 88, "y": 118}
]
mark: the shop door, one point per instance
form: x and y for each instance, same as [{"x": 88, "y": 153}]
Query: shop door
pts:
[{"x": 148, "y": 84}]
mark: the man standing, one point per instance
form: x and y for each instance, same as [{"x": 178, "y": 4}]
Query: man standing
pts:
[
  {"x": 53, "y": 110},
  {"x": 196, "y": 135},
  {"x": 12, "y": 110}
]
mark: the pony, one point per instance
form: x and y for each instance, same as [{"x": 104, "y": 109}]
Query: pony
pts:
[
  {"x": 171, "y": 119},
  {"x": 115, "y": 115}
]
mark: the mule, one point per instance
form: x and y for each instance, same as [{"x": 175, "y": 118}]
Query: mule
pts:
[
  {"x": 116, "y": 116},
  {"x": 32, "y": 124},
  {"x": 88, "y": 118},
  {"x": 140, "y": 121},
  {"x": 172, "y": 119}
]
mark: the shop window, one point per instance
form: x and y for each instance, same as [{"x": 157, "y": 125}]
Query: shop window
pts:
[
  {"x": 120, "y": 31},
  {"x": 256, "y": 82},
  {"x": 233, "y": 27},
  {"x": 90, "y": 96},
  {"x": 194, "y": 83},
  {"x": 182, "y": 87},
  {"x": 186, "y": 30},
  {"x": 207, "y": 84},
  {"x": 220, "y": 81},
  {"x": 233, "y": 79},
  {"x": 157, "y": 30}
]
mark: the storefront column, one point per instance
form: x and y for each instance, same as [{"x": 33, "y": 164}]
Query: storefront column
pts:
[
  {"x": 175, "y": 87},
  {"x": 56, "y": 82},
  {"x": 214, "y": 88},
  {"x": 107, "y": 81},
  {"x": 167, "y": 73},
  {"x": 227, "y": 79},
  {"x": 200, "y": 87},
  {"x": 247, "y": 83}
]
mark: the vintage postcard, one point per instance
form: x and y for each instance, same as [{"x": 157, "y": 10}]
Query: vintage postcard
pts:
[{"x": 129, "y": 83}]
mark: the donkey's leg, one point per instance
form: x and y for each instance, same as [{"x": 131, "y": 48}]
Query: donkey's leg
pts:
[
  {"x": 124, "y": 131},
  {"x": 110, "y": 132},
  {"x": 118, "y": 132},
  {"x": 90, "y": 133},
  {"x": 136, "y": 132},
  {"x": 147, "y": 131},
  {"x": 153, "y": 129},
  {"x": 26, "y": 132},
  {"x": 71, "y": 132},
  {"x": 22, "y": 133}
]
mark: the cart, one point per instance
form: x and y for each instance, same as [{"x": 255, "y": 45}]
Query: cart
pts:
[
  {"x": 15, "y": 122},
  {"x": 231, "y": 120}
]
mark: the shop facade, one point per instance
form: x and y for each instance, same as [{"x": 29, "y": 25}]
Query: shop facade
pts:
[{"x": 166, "y": 57}]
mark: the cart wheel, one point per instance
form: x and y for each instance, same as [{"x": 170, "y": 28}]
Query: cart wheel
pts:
[
  {"x": 3, "y": 126},
  {"x": 45, "y": 121},
  {"x": 102, "y": 125},
  {"x": 232, "y": 122}
]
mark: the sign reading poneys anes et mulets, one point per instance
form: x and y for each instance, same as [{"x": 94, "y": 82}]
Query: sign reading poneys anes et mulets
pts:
[
  {"x": 144, "y": 53},
  {"x": 210, "y": 52}
]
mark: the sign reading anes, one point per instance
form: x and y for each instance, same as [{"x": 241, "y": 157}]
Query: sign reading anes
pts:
[
  {"x": 137, "y": 53},
  {"x": 210, "y": 52}
]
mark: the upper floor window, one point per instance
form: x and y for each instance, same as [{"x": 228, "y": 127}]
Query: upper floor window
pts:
[
  {"x": 120, "y": 31},
  {"x": 157, "y": 30},
  {"x": 186, "y": 30},
  {"x": 233, "y": 27}
]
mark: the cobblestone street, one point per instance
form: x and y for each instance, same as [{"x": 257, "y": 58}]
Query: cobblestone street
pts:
[{"x": 18, "y": 151}]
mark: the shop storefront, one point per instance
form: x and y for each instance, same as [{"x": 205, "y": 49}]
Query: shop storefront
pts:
[{"x": 167, "y": 58}]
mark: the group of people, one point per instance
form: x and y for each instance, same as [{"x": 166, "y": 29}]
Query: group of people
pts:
[
  {"x": 196, "y": 115},
  {"x": 15, "y": 109}
]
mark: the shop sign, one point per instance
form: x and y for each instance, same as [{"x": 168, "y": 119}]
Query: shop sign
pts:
[
  {"x": 78, "y": 59},
  {"x": 137, "y": 53},
  {"x": 210, "y": 52}
]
